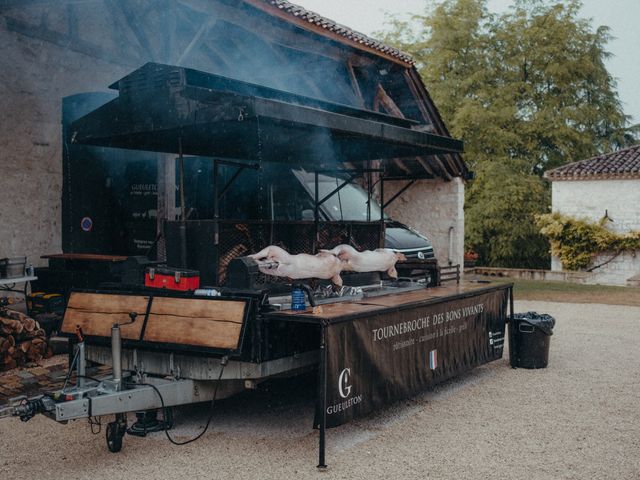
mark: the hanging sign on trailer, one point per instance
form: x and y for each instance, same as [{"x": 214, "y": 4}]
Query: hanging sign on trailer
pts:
[{"x": 384, "y": 357}]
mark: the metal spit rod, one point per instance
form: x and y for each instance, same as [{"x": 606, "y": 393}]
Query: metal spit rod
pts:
[{"x": 270, "y": 265}]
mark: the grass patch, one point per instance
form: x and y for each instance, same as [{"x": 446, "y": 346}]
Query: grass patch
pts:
[{"x": 573, "y": 292}]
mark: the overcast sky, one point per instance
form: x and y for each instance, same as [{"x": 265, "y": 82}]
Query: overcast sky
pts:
[{"x": 622, "y": 16}]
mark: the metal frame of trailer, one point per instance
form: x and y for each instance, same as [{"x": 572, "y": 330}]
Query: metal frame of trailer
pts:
[{"x": 162, "y": 378}]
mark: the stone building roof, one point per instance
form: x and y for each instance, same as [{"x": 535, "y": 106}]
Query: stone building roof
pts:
[
  {"x": 338, "y": 29},
  {"x": 623, "y": 163}
]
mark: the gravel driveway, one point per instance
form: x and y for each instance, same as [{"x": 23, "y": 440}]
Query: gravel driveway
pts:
[{"x": 577, "y": 419}]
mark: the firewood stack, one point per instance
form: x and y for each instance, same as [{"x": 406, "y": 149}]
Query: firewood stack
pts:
[{"x": 22, "y": 341}]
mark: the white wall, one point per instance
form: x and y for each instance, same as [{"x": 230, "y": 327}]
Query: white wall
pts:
[
  {"x": 433, "y": 208},
  {"x": 590, "y": 199}
]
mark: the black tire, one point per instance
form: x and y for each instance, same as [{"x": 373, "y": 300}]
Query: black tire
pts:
[{"x": 114, "y": 437}]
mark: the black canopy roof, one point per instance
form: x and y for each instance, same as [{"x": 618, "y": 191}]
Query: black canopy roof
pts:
[{"x": 167, "y": 109}]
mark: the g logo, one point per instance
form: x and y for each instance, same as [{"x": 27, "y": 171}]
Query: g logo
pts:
[{"x": 344, "y": 386}]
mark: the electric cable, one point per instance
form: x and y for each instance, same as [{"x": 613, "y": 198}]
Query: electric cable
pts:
[
  {"x": 223, "y": 364},
  {"x": 73, "y": 362},
  {"x": 95, "y": 422}
]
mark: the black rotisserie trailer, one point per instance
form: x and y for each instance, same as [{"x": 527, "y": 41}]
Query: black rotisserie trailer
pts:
[{"x": 374, "y": 342}]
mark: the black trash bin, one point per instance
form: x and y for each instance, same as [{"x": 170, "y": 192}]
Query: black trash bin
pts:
[{"x": 529, "y": 335}]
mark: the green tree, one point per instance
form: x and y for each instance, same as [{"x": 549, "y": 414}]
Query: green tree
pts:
[
  {"x": 527, "y": 91},
  {"x": 501, "y": 210},
  {"x": 551, "y": 66}
]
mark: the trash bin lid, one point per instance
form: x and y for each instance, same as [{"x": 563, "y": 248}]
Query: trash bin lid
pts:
[{"x": 539, "y": 320}]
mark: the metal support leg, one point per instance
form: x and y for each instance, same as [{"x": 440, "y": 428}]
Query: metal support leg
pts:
[
  {"x": 183, "y": 210},
  {"x": 322, "y": 464},
  {"x": 381, "y": 240},
  {"x": 216, "y": 219},
  {"x": 316, "y": 215},
  {"x": 116, "y": 356}
]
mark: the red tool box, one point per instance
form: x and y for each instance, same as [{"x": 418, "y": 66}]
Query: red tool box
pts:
[{"x": 172, "y": 279}]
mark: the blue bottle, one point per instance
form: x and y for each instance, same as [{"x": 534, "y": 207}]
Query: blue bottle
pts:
[{"x": 297, "y": 297}]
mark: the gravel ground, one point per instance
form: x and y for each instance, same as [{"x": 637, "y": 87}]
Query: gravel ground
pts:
[{"x": 577, "y": 419}]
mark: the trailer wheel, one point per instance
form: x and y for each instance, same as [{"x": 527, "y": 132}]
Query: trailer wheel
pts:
[{"x": 115, "y": 433}]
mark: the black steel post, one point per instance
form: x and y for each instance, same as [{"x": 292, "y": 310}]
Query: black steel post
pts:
[
  {"x": 322, "y": 464},
  {"x": 316, "y": 215},
  {"x": 227, "y": 186},
  {"x": 183, "y": 208},
  {"x": 216, "y": 219},
  {"x": 369, "y": 190},
  {"x": 382, "y": 236},
  {"x": 336, "y": 190},
  {"x": 398, "y": 193}
]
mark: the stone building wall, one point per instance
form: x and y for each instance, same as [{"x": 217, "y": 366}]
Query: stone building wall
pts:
[
  {"x": 434, "y": 208},
  {"x": 591, "y": 199},
  {"x": 35, "y": 76}
]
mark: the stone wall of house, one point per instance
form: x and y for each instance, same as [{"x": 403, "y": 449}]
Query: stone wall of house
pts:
[
  {"x": 592, "y": 199},
  {"x": 435, "y": 208},
  {"x": 618, "y": 269},
  {"x": 35, "y": 76}
]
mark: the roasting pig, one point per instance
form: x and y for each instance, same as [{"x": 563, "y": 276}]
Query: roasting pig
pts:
[
  {"x": 275, "y": 261},
  {"x": 379, "y": 260}
]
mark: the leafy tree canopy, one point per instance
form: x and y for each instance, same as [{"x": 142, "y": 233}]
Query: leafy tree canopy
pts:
[
  {"x": 527, "y": 91},
  {"x": 502, "y": 205}
]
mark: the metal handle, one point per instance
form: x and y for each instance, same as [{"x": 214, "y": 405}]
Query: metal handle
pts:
[{"x": 527, "y": 328}]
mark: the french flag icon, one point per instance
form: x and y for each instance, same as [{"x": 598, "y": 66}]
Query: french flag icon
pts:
[{"x": 433, "y": 359}]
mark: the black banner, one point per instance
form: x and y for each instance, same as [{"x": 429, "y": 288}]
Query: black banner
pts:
[{"x": 376, "y": 360}]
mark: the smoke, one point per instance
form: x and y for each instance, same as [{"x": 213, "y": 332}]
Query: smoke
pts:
[{"x": 52, "y": 50}]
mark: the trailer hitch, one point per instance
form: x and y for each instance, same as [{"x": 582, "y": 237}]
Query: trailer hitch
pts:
[{"x": 27, "y": 408}]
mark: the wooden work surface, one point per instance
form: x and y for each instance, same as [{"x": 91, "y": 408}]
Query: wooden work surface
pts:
[
  {"x": 196, "y": 322},
  {"x": 87, "y": 257},
  {"x": 332, "y": 311},
  {"x": 190, "y": 322},
  {"x": 96, "y": 313}
]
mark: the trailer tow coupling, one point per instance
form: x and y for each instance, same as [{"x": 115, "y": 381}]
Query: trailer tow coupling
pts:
[
  {"x": 117, "y": 395},
  {"x": 27, "y": 408}
]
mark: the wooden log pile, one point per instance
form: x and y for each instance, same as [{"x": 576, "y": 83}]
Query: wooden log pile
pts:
[{"x": 22, "y": 341}]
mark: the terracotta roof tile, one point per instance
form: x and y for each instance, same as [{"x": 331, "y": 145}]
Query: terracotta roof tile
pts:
[
  {"x": 622, "y": 163},
  {"x": 330, "y": 25}
]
